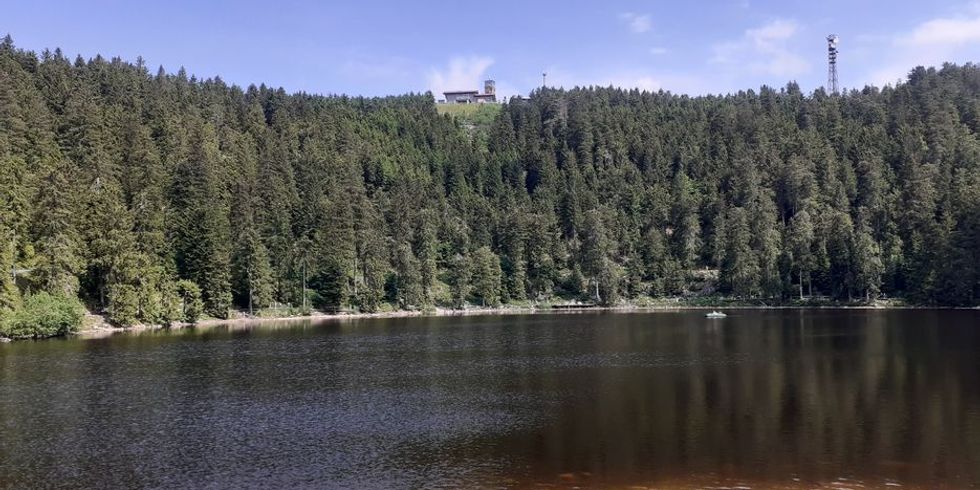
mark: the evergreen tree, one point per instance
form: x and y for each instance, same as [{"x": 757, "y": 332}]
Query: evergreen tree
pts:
[
  {"x": 460, "y": 279},
  {"x": 868, "y": 267},
  {"x": 740, "y": 267},
  {"x": 253, "y": 285},
  {"x": 686, "y": 233},
  {"x": 602, "y": 273},
  {"x": 202, "y": 231},
  {"x": 800, "y": 238},
  {"x": 486, "y": 277},
  {"x": 58, "y": 263}
]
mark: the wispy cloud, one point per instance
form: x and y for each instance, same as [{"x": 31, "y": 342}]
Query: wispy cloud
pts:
[
  {"x": 945, "y": 32},
  {"x": 764, "y": 50},
  {"x": 462, "y": 73},
  {"x": 658, "y": 50},
  {"x": 630, "y": 81},
  {"x": 934, "y": 41},
  {"x": 637, "y": 23},
  {"x": 641, "y": 79},
  {"x": 363, "y": 67},
  {"x": 769, "y": 35}
]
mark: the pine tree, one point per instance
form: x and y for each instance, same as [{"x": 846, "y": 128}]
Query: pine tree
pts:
[
  {"x": 513, "y": 243},
  {"x": 425, "y": 252},
  {"x": 406, "y": 285},
  {"x": 57, "y": 243},
  {"x": 371, "y": 258},
  {"x": 486, "y": 277},
  {"x": 108, "y": 237},
  {"x": 460, "y": 279},
  {"x": 840, "y": 238},
  {"x": 301, "y": 256},
  {"x": 542, "y": 255},
  {"x": 253, "y": 285},
  {"x": 686, "y": 234},
  {"x": 202, "y": 227},
  {"x": 595, "y": 257},
  {"x": 800, "y": 238},
  {"x": 868, "y": 267},
  {"x": 740, "y": 268}
]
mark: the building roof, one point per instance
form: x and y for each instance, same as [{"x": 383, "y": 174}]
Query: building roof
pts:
[{"x": 461, "y": 92}]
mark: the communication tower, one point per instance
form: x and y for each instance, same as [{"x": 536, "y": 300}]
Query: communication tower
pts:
[{"x": 832, "y": 41}]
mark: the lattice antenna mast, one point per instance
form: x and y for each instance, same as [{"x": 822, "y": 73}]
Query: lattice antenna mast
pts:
[{"x": 832, "y": 41}]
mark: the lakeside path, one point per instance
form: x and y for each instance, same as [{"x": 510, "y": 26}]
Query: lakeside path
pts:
[{"x": 103, "y": 329}]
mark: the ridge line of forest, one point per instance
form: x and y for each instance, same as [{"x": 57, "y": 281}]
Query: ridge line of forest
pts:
[{"x": 158, "y": 198}]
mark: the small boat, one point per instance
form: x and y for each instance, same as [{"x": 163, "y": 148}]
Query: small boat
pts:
[{"x": 716, "y": 314}]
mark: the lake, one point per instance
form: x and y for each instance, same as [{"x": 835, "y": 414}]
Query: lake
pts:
[{"x": 763, "y": 398}]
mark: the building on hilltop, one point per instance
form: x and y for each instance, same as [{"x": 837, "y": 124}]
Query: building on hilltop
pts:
[
  {"x": 489, "y": 95},
  {"x": 461, "y": 96}
]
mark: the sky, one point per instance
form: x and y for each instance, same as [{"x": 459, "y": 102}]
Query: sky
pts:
[{"x": 372, "y": 47}]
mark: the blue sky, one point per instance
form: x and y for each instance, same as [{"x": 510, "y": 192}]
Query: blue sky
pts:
[{"x": 372, "y": 47}]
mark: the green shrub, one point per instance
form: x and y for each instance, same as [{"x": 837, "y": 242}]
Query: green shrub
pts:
[
  {"x": 281, "y": 311},
  {"x": 43, "y": 315},
  {"x": 124, "y": 304},
  {"x": 151, "y": 299}
]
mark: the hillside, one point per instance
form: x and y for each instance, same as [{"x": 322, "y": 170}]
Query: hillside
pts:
[
  {"x": 471, "y": 115},
  {"x": 131, "y": 190}
]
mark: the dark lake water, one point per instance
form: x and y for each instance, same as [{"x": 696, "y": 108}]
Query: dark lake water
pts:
[{"x": 784, "y": 398}]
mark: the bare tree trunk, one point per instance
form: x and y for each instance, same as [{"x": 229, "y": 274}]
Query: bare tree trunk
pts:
[
  {"x": 248, "y": 275},
  {"x": 357, "y": 269}
]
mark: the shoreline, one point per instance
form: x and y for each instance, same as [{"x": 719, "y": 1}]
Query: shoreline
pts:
[{"x": 103, "y": 329}]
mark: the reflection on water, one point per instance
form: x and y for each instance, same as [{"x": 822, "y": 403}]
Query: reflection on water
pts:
[{"x": 785, "y": 398}]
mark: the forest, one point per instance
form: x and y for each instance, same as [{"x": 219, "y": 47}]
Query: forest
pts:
[{"x": 154, "y": 197}]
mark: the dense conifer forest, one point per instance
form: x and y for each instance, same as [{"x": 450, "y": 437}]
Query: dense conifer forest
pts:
[{"x": 153, "y": 196}]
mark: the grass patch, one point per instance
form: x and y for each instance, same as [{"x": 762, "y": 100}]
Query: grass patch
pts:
[
  {"x": 282, "y": 312},
  {"x": 477, "y": 115}
]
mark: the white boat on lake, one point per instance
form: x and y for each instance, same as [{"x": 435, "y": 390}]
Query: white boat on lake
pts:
[{"x": 716, "y": 314}]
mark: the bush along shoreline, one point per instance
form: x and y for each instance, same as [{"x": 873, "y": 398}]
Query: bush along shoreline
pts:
[
  {"x": 50, "y": 316},
  {"x": 43, "y": 315}
]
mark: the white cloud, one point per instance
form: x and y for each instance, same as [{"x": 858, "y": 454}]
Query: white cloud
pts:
[
  {"x": 659, "y": 50},
  {"x": 764, "y": 50},
  {"x": 559, "y": 77},
  {"x": 945, "y": 32},
  {"x": 768, "y": 35},
  {"x": 638, "y": 23},
  {"x": 931, "y": 43},
  {"x": 647, "y": 80},
  {"x": 627, "y": 81},
  {"x": 462, "y": 73}
]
